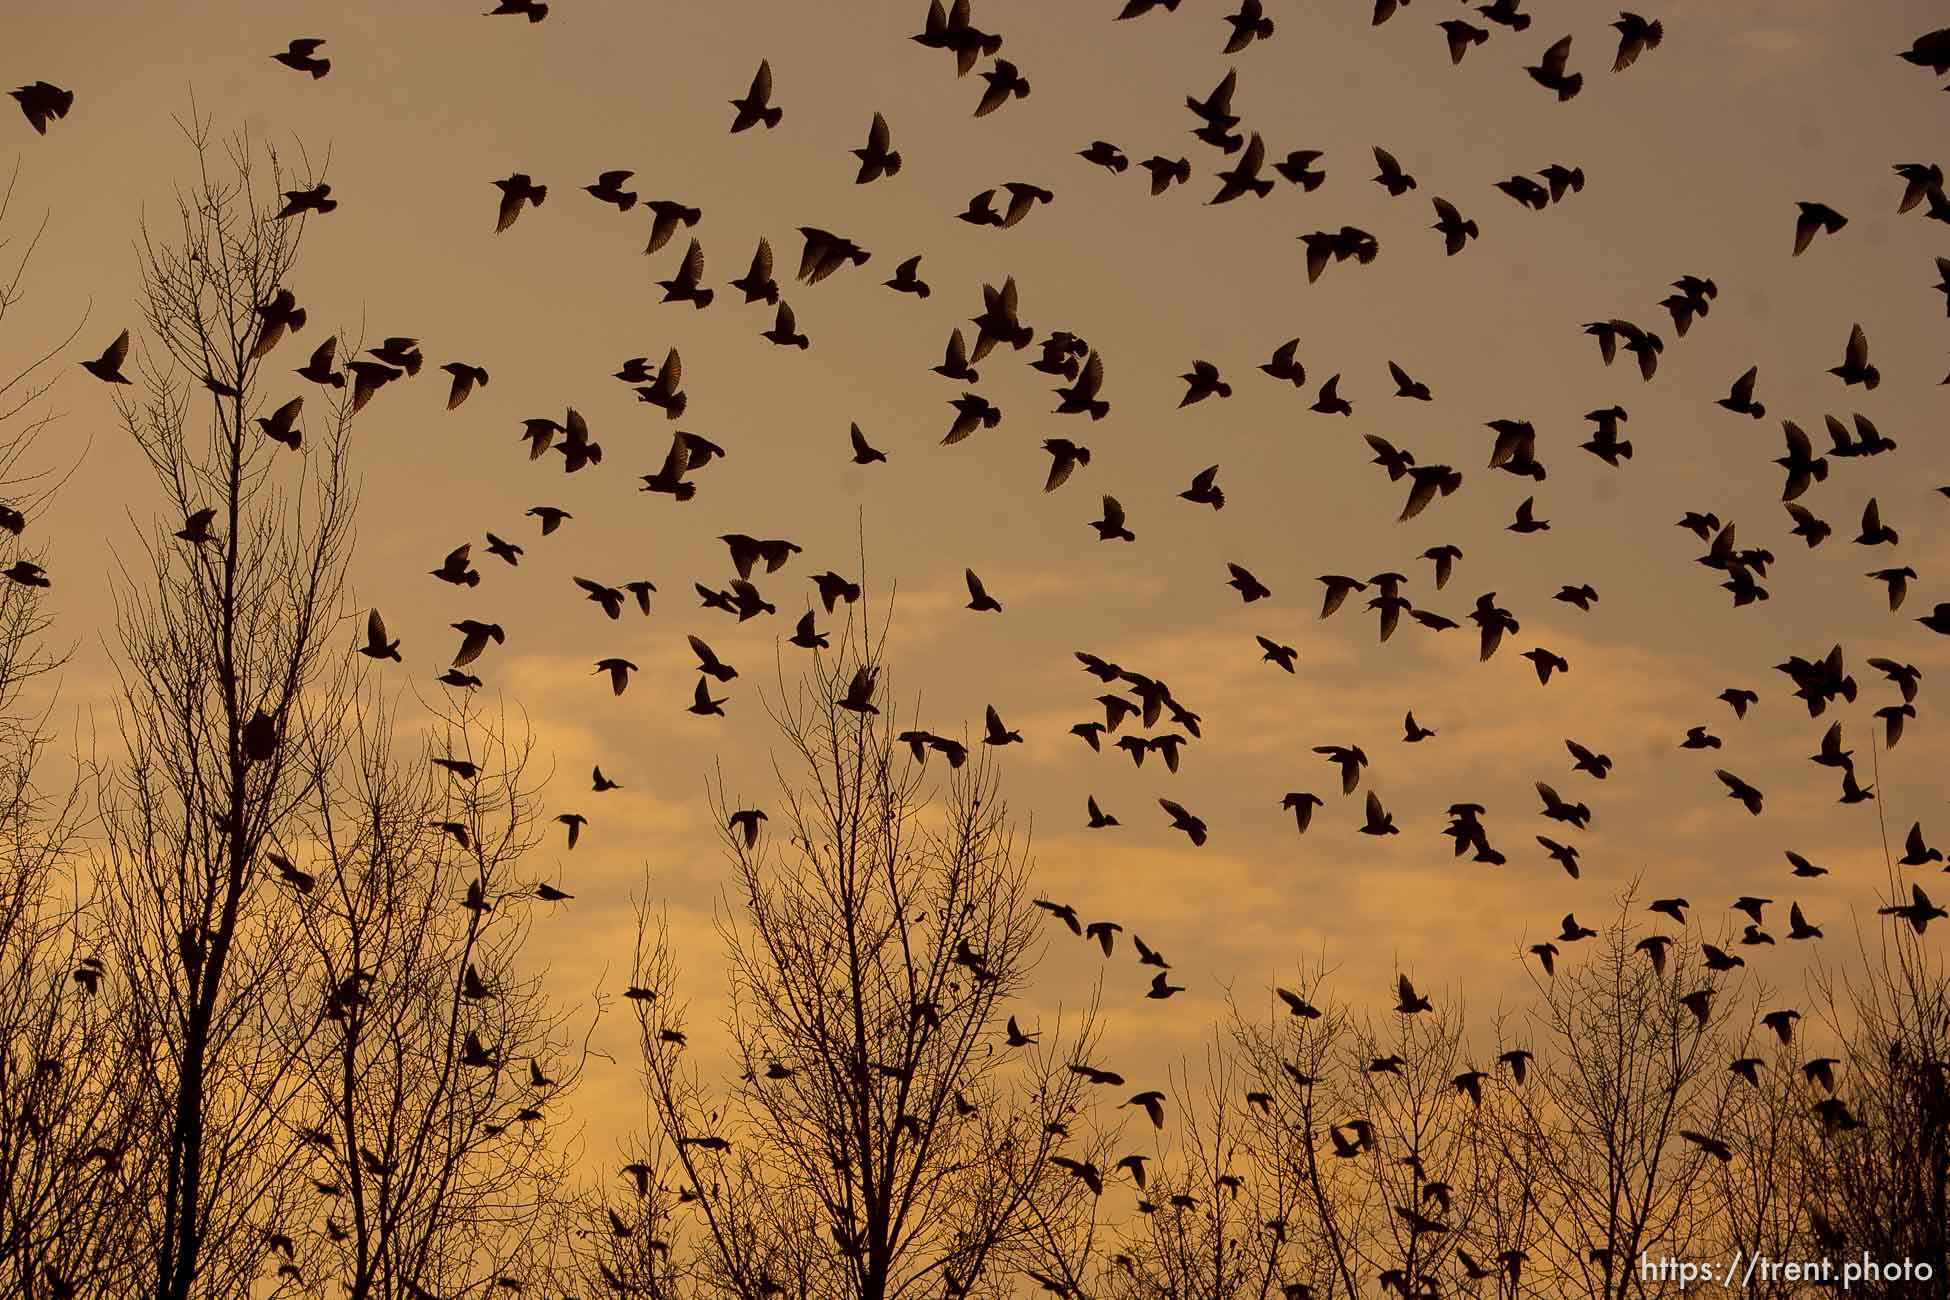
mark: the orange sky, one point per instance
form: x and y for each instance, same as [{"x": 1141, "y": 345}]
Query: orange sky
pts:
[{"x": 1695, "y": 159}]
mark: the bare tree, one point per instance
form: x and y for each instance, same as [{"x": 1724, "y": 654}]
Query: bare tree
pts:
[
  {"x": 878, "y": 1138},
  {"x": 65, "y": 1188},
  {"x": 234, "y": 681},
  {"x": 437, "y": 1091},
  {"x": 1632, "y": 1044},
  {"x": 1878, "y": 1150},
  {"x": 1218, "y": 1204}
]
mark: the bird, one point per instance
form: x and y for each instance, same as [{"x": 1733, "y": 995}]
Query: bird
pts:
[
  {"x": 575, "y": 822},
  {"x": 1081, "y": 396},
  {"x": 1111, "y": 527},
  {"x": 859, "y": 692},
  {"x": 1106, "y": 155},
  {"x": 1739, "y": 790},
  {"x": 1099, "y": 819},
  {"x": 609, "y": 189},
  {"x": 108, "y": 366},
  {"x": 533, "y": 10},
  {"x": 1558, "y": 809},
  {"x": 806, "y": 636},
  {"x": 1549, "y": 71},
  {"x": 1461, "y": 36},
  {"x": 979, "y": 599},
  {"x": 745, "y": 821},
  {"x": 1563, "y": 180},
  {"x": 1636, "y": 35},
  {"x": 1065, "y": 456},
  {"x": 702, "y": 703},
  {"x": 686, "y": 285},
  {"x": 1182, "y": 819},
  {"x": 517, "y": 190},
  {"x": 474, "y": 638},
  {"x": 1919, "y": 911},
  {"x": 1740, "y": 398},
  {"x": 1855, "y": 367},
  {"x": 1408, "y": 1002},
  {"x": 1243, "y": 177},
  {"x": 196, "y": 529},
  {"x": 1005, "y": 82},
  {"x": 907, "y": 280},
  {"x": 1166, "y": 172},
  {"x": 834, "y": 588},
  {"x": 824, "y": 252},
  {"x": 1413, "y": 731},
  {"x": 756, "y": 106},
  {"x": 1407, "y": 387},
  {"x": 1815, "y": 218},
  {"x": 972, "y": 411},
  {"x": 1276, "y": 653},
  {"x": 466, "y": 378},
  {"x": 878, "y": 158},
  {"x": 1917, "y": 851},
  {"x": 1203, "y": 381},
  {"x": 863, "y": 452},
  {"x": 456, "y": 569},
  {"x": 665, "y": 216},
  {"x": 1597, "y": 765},
  {"x": 377, "y": 646},
  {"x": 785, "y": 329},
  {"x": 1708, "y": 1145},
  {"x": 1526, "y": 520},
  {"x": 979, "y": 211},
  {"x": 708, "y": 662},
  {"x": 1546, "y": 663},
  {"x": 619, "y": 671},
  {"x": 319, "y": 368},
  {"x": 1456, "y": 230},
  {"x": 1565, "y": 855},
  {"x": 1391, "y": 177},
  {"x": 995, "y": 733},
  {"x": 1301, "y": 804},
  {"x": 1248, "y": 25},
  {"x": 1022, "y": 197},
  {"x": 610, "y": 598},
  {"x": 41, "y": 102},
  {"x": 1874, "y": 531},
  {"x": 1205, "y": 490},
  {"x": 1530, "y": 193}
]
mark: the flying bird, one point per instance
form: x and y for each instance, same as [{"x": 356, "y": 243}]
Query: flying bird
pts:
[
  {"x": 756, "y": 106},
  {"x": 41, "y": 102},
  {"x": 518, "y": 190},
  {"x": 1815, "y": 218}
]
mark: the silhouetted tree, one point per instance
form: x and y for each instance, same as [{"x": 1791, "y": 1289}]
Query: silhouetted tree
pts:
[
  {"x": 1622, "y": 1067},
  {"x": 235, "y": 675},
  {"x": 877, "y": 1138},
  {"x": 437, "y": 1085},
  {"x": 1216, "y": 1211},
  {"x": 67, "y": 1179},
  {"x": 1879, "y": 1154}
]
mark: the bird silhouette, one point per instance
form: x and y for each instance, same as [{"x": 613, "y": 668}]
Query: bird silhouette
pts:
[
  {"x": 756, "y": 105},
  {"x": 42, "y": 102},
  {"x": 516, "y": 191}
]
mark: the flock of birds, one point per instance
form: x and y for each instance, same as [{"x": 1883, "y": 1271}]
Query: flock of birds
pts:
[{"x": 1817, "y": 681}]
